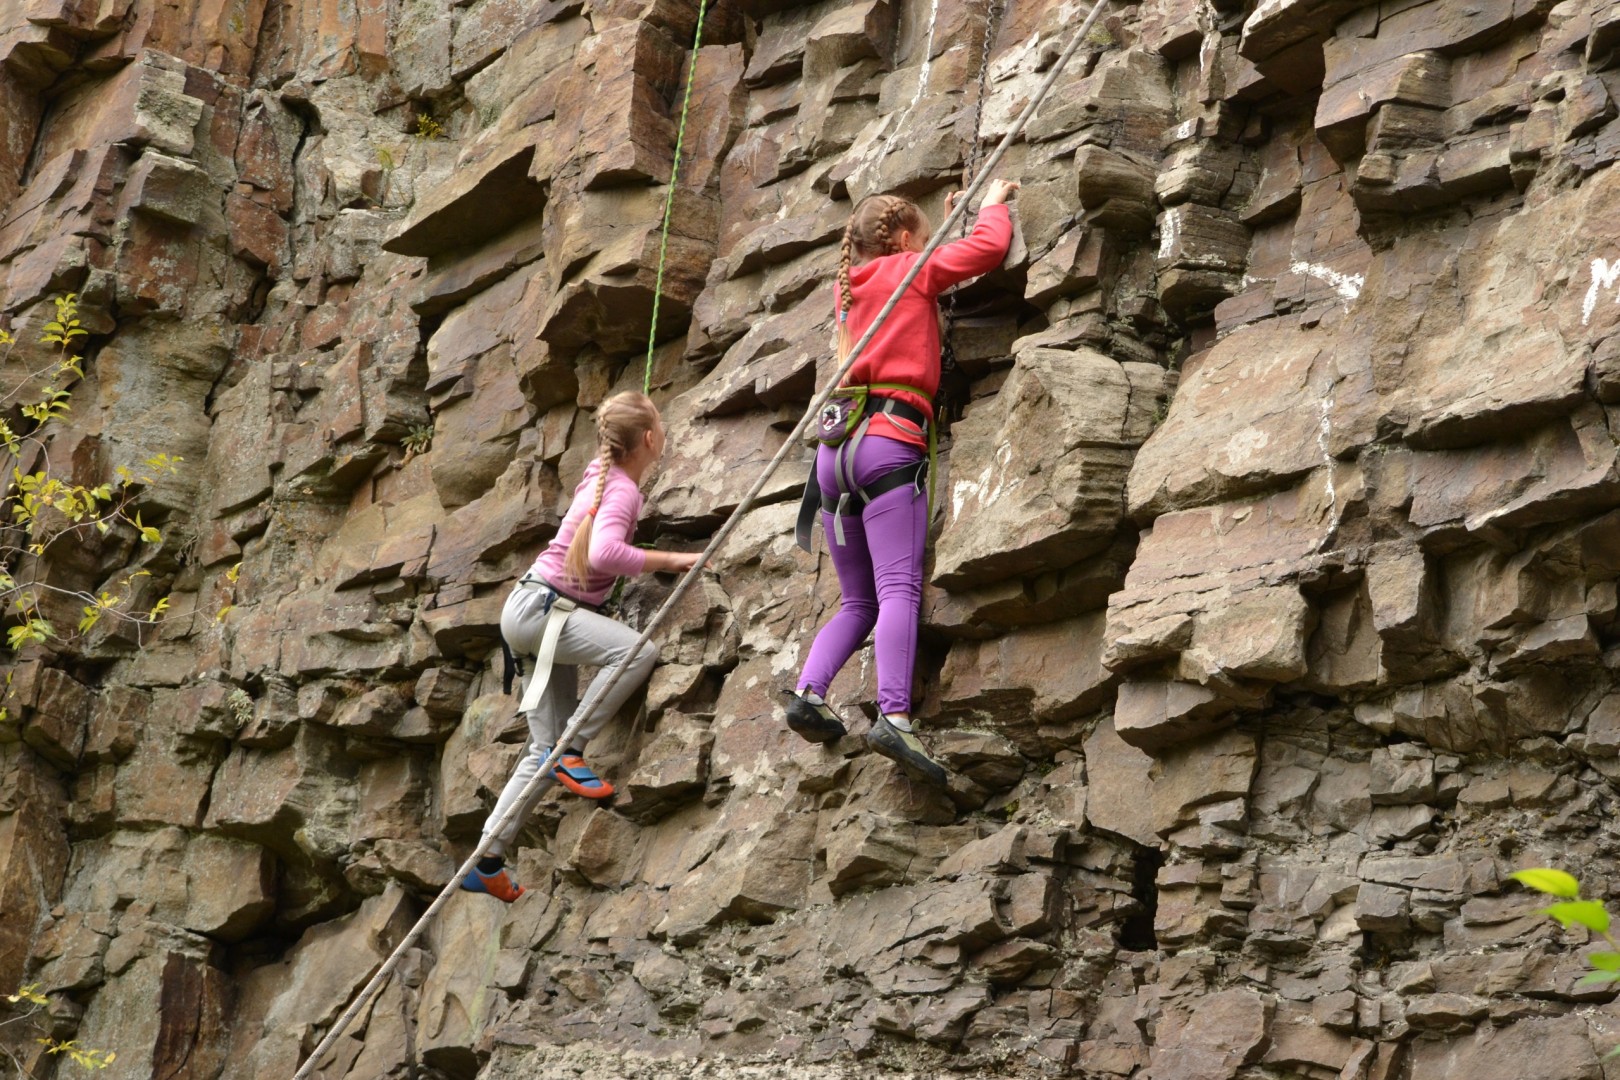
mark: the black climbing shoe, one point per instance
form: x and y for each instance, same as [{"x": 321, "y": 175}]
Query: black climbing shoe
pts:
[
  {"x": 814, "y": 723},
  {"x": 906, "y": 750}
]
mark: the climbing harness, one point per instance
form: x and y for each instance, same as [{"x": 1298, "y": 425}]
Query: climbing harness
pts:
[
  {"x": 557, "y": 610},
  {"x": 669, "y": 196},
  {"x": 842, "y": 423},
  {"x": 678, "y": 594}
]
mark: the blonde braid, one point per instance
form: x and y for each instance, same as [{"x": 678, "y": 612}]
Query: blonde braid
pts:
[
  {"x": 881, "y": 231},
  {"x": 577, "y": 564},
  {"x": 846, "y": 292},
  {"x": 889, "y": 223},
  {"x": 622, "y": 423},
  {"x": 873, "y": 232}
]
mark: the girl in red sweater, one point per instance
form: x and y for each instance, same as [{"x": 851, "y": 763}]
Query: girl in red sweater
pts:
[{"x": 877, "y": 550}]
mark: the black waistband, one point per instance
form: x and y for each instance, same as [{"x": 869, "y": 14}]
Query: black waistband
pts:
[
  {"x": 895, "y": 407},
  {"x": 912, "y": 472}
]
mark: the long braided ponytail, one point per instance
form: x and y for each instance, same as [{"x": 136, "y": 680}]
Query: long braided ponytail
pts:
[
  {"x": 621, "y": 422},
  {"x": 846, "y": 294},
  {"x": 873, "y": 232}
]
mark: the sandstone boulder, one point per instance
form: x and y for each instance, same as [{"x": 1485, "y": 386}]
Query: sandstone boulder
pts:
[{"x": 1038, "y": 474}]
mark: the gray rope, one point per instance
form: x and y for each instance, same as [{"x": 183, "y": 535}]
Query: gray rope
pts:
[{"x": 543, "y": 777}]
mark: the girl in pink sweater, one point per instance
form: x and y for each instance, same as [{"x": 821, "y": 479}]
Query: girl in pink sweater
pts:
[{"x": 550, "y": 619}]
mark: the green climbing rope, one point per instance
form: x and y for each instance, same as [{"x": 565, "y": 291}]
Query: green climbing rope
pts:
[{"x": 669, "y": 196}]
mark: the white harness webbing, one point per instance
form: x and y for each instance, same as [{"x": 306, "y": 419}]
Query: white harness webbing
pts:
[{"x": 556, "y": 618}]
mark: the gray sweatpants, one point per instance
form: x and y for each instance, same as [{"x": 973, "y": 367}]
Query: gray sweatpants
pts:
[{"x": 588, "y": 638}]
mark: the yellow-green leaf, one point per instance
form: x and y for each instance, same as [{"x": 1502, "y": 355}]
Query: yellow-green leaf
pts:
[
  {"x": 1588, "y": 913},
  {"x": 1605, "y": 961},
  {"x": 32, "y": 632},
  {"x": 1595, "y": 977},
  {"x": 29, "y": 994},
  {"x": 1552, "y": 882}
]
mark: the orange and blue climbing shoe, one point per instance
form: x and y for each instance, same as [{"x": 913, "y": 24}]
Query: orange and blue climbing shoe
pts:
[
  {"x": 572, "y": 773},
  {"x": 499, "y": 884}
]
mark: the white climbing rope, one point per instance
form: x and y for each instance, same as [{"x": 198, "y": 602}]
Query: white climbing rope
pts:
[{"x": 543, "y": 777}]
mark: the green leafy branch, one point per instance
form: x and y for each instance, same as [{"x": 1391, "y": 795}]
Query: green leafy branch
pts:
[
  {"x": 60, "y": 331},
  {"x": 83, "y": 1056},
  {"x": 1572, "y": 909},
  {"x": 42, "y": 508},
  {"x": 419, "y": 440}
]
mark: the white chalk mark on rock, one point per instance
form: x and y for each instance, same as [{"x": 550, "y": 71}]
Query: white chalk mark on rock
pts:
[
  {"x": 1323, "y": 431},
  {"x": 1348, "y": 286},
  {"x": 1605, "y": 275},
  {"x": 986, "y": 488},
  {"x": 1242, "y": 446},
  {"x": 1169, "y": 231},
  {"x": 922, "y": 84}
]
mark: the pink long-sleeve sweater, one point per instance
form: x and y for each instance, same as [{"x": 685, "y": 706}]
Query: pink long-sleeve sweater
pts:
[{"x": 611, "y": 555}]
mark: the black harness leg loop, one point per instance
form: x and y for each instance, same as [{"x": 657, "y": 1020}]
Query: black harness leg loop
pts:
[
  {"x": 914, "y": 473},
  {"x": 512, "y": 669}
]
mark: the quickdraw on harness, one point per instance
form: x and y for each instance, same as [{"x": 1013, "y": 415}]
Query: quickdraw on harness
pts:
[{"x": 842, "y": 423}]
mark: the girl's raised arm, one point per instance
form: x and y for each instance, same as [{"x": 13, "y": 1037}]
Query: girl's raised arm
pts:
[{"x": 977, "y": 253}]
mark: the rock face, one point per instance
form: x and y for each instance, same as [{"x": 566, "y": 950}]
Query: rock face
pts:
[{"x": 1272, "y": 616}]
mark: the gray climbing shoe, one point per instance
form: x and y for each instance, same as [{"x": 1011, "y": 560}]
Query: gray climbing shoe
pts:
[
  {"x": 906, "y": 750},
  {"x": 813, "y": 722}
]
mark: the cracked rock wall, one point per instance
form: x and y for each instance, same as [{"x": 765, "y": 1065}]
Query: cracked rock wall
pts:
[{"x": 1272, "y": 610}]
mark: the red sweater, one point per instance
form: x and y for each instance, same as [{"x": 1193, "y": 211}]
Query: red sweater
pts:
[{"x": 906, "y": 347}]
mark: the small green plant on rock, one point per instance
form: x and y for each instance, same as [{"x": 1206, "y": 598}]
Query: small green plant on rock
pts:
[
  {"x": 418, "y": 440},
  {"x": 388, "y": 163},
  {"x": 240, "y": 704},
  {"x": 427, "y": 128}
]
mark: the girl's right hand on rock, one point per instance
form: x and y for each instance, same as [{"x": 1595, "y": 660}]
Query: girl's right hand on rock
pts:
[{"x": 999, "y": 192}]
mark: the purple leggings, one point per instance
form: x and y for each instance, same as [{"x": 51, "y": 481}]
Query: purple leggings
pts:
[{"x": 879, "y": 569}]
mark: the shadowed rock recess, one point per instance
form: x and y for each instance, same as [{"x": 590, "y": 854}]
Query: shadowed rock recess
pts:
[{"x": 1272, "y": 614}]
